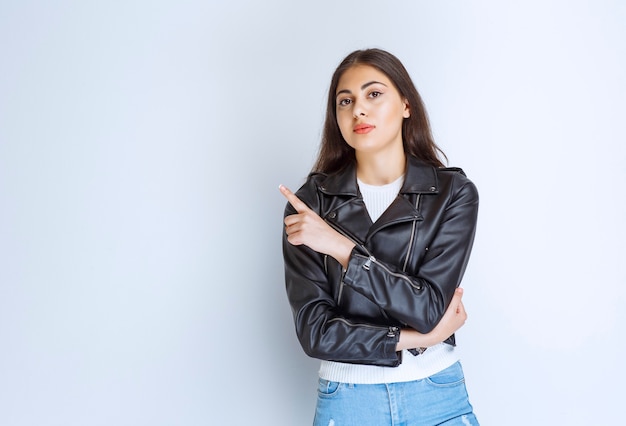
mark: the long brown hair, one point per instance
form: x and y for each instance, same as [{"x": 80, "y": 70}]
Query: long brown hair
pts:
[{"x": 335, "y": 154}]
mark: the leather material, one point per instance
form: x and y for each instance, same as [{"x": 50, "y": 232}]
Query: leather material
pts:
[{"x": 402, "y": 272}]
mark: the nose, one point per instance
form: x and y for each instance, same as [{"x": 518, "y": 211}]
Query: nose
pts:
[{"x": 359, "y": 109}]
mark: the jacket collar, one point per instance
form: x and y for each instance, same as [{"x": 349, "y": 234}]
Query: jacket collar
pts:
[{"x": 420, "y": 178}]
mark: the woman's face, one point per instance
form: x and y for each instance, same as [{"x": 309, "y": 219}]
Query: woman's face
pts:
[{"x": 370, "y": 110}]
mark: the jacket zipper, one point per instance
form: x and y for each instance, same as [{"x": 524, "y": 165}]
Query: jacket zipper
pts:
[
  {"x": 408, "y": 253},
  {"x": 392, "y": 330},
  {"x": 340, "y": 289},
  {"x": 336, "y": 228},
  {"x": 368, "y": 264}
]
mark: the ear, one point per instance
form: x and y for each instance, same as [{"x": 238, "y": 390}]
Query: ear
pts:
[{"x": 407, "y": 109}]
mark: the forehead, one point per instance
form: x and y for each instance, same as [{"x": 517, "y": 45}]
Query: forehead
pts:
[{"x": 356, "y": 76}]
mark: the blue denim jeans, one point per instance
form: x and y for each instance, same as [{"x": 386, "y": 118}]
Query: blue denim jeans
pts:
[{"x": 440, "y": 399}]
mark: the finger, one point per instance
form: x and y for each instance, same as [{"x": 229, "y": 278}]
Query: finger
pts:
[
  {"x": 463, "y": 314},
  {"x": 293, "y": 237},
  {"x": 456, "y": 297},
  {"x": 292, "y": 229},
  {"x": 292, "y": 219},
  {"x": 293, "y": 199}
]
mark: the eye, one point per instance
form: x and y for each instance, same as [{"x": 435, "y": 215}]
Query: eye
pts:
[
  {"x": 375, "y": 94},
  {"x": 344, "y": 102}
]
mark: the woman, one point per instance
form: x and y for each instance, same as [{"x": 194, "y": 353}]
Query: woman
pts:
[{"x": 375, "y": 245}]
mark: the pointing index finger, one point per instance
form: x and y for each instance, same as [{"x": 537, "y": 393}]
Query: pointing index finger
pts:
[{"x": 293, "y": 199}]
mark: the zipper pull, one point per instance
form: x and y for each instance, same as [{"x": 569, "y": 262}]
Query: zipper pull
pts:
[
  {"x": 368, "y": 263},
  {"x": 392, "y": 331}
]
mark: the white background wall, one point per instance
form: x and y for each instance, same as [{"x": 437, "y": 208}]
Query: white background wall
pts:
[{"x": 141, "y": 145}]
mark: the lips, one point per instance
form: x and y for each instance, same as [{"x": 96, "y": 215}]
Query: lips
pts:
[{"x": 362, "y": 129}]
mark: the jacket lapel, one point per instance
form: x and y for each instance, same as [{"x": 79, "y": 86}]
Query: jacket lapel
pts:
[
  {"x": 401, "y": 210},
  {"x": 345, "y": 209},
  {"x": 348, "y": 213}
]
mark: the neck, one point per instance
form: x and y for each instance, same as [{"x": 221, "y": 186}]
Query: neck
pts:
[{"x": 380, "y": 169}]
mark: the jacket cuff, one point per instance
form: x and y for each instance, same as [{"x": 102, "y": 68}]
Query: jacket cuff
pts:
[
  {"x": 391, "y": 343},
  {"x": 354, "y": 262}
]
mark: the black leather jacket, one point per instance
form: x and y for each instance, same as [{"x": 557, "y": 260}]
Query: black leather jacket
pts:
[{"x": 402, "y": 272}]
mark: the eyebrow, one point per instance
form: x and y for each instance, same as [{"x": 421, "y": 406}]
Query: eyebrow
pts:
[{"x": 365, "y": 86}]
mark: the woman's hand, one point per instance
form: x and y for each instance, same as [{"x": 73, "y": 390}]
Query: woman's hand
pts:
[
  {"x": 307, "y": 228},
  {"x": 453, "y": 319}
]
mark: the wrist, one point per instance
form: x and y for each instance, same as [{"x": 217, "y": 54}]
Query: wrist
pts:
[
  {"x": 342, "y": 250},
  {"x": 413, "y": 339},
  {"x": 430, "y": 339}
]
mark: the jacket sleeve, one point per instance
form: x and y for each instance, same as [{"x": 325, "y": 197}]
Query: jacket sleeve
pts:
[
  {"x": 420, "y": 301},
  {"x": 322, "y": 330}
]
